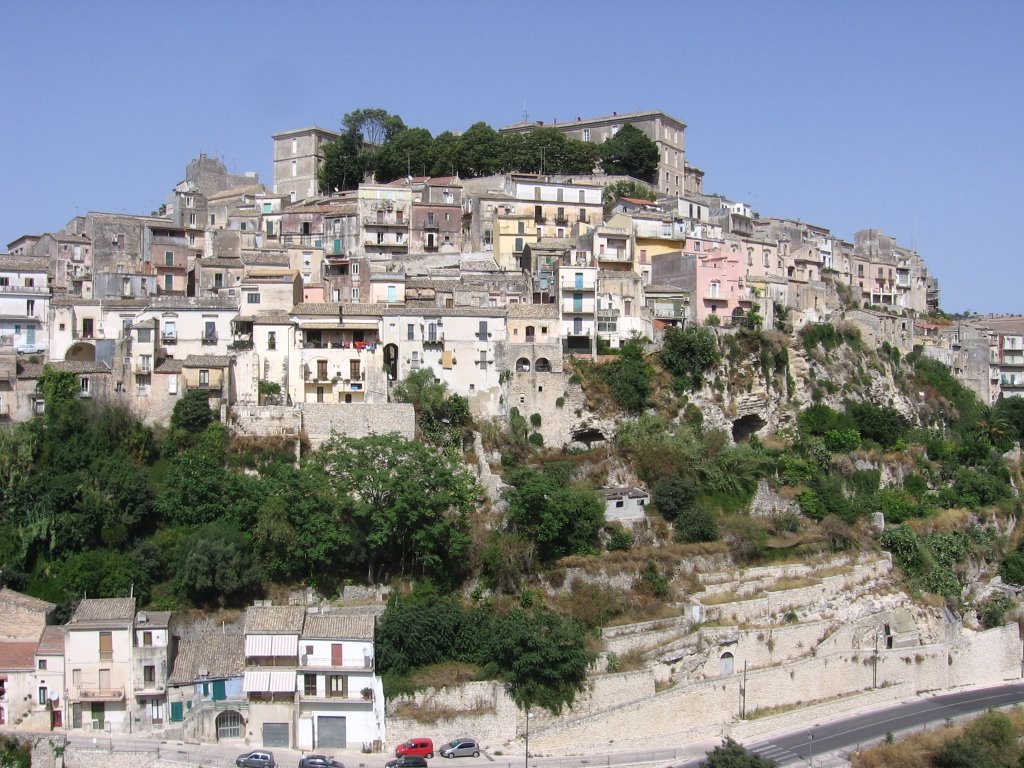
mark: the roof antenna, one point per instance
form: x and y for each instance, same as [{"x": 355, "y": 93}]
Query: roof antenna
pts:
[{"x": 526, "y": 115}]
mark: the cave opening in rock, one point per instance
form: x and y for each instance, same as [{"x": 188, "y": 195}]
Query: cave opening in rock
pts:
[
  {"x": 745, "y": 426},
  {"x": 588, "y": 436}
]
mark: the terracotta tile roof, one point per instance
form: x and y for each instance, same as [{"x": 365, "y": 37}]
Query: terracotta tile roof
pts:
[
  {"x": 26, "y": 602},
  {"x": 30, "y": 370},
  {"x": 269, "y": 619},
  {"x": 338, "y": 626},
  {"x": 52, "y": 642},
  {"x": 444, "y": 181},
  {"x": 17, "y": 657},
  {"x": 104, "y": 609},
  {"x": 168, "y": 366},
  {"x": 153, "y": 619},
  {"x": 269, "y": 317},
  {"x": 207, "y": 361},
  {"x": 80, "y": 366},
  {"x": 219, "y": 656},
  {"x": 228, "y": 262},
  {"x": 545, "y": 311},
  {"x": 10, "y": 263}
]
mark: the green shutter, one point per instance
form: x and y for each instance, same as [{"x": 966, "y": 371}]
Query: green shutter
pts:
[
  {"x": 219, "y": 690},
  {"x": 176, "y": 714}
]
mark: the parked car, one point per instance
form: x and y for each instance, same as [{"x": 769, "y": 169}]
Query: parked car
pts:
[
  {"x": 30, "y": 349},
  {"x": 259, "y": 758},
  {"x": 407, "y": 761},
  {"x": 460, "y": 748},
  {"x": 319, "y": 761},
  {"x": 418, "y": 746}
]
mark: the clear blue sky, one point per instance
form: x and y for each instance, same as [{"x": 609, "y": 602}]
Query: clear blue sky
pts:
[{"x": 904, "y": 116}]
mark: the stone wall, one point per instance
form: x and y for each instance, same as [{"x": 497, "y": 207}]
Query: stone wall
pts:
[
  {"x": 539, "y": 393},
  {"x": 319, "y": 420}
]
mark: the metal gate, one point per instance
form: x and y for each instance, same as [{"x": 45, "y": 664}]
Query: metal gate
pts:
[
  {"x": 275, "y": 735},
  {"x": 330, "y": 732}
]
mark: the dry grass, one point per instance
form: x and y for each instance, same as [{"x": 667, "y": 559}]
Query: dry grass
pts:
[
  {"x": 427, "y": 714},
  {"x": 442, "y": 675},
  {"x": 769, "y": 711},
  {"x": 796, "y": 582}
]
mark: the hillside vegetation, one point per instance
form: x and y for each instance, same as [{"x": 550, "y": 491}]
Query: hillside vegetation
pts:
[{"x": 92, "y": 502}]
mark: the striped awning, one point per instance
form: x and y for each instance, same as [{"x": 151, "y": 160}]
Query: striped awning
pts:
[
  {"x": 269, "y": 681},
  {"x": 272, "y": 645}
]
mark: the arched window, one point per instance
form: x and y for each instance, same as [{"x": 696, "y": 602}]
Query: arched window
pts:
[
  {"x": 543, "y": 365},
  {"x": 530, "y": 337},
  {"x": 713, "y": 289},
  {"x": 229, "y": 725},
  {"x": 522, "y": 365}
]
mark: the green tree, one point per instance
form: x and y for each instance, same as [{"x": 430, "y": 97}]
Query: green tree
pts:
[
  {"x": 629, "y": 376},
  {"x": 625, "y": 188},
  {"x": 560, "y": 519},
  {"x": 218, "y": 567},
  {"x": 15, "y": 753},
  {"x": 409, "y": 503},
  {"x": 441, "y": 417},
  {"x": 192, "y": 412},
  {"x": 481, "y": 150},
  {"x": 445, "y": 156},
  {"x": 688, "y": 354},
  {"x": 541, "y": 657},
  {"x": 1010, "y": 410},
  {"x": 630, "y": 153},
  {"x": 409, "y": 153},
  {"x": 58, "y": 387},
  {"x": 729, "y": 754}
]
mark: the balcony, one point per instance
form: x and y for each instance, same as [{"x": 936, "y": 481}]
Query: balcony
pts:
[
  {"x": 143, "y": 367},
  {"x": 433, "y": 339},
  {"x": 614, "y": 254},
  {"x": 715, "y": 296},
  {"x": 431, "y": 225},
  {"x": 33, "y": 289},
  {"x": 561, "y": 219},
  {"x": 570, "y": 282},
  {"x": 308, "y": 241},
  {"x": 349, "y": 697},
  {"x": 82, "y": 693},
  {"x": 169, "y": 337},
  {"x": 371, "y": 221},
  {"x": 149, "y": 688},
  {"x": 209, "y": 338},
  {"x": 540, "y": 219},
  {"x": 573, "y": 307},
  {"x": 325, "y": 662},
  {"x": 372, "y": 242}
]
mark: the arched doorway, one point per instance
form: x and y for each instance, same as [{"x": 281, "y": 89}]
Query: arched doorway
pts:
[
  {"x": 391, "y": 361},
  {"x": 522, "y": 365},
  {"x": 229, "y": 725},
  {"x": 738, "y": 316},
  {"x": 725, "y": 664},
  {"x": 543, "y": 365}
]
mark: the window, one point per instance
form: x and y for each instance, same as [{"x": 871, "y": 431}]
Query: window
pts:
[
  {"x": 353, "y": 369},
  {"x": 191, "y": 219},
  {"x": 272, "y": 340},
  {"x": 295, "y": 146},
  {"x": 4, "y": 282},
  {"x": 309, "y": 684},
  {"x": 204, "y": 378},
  {"x": 149, "y": 674},
  {"x": 482, "y": 330},
  {"x": 42, "y": 664},
  {"x": 253, "y": 297},
  {"x": 519, "y": 245},
  {"x": 42, "y": 695},
  {"x": 30, "y": 307},
  {"x": 483, "y": 358},
  {"x": 355, "y": 270},
  {"x": 295, "y": 168},
  {"x": 355, "y": 294},
  {"x": 168, "y": 283},
  {"x": 213, "y": 219},
  {"x": 168, "y": 258},
  {"x": 84, "y": 389},
  {"x": 410, "y": 331},
  {"x": 147, "y": 638},
  {"x": 191, "y": 239},
  {"x": 106, "y": 639},
  {"x": 30, "y": 282},
  {"x": 172, "y": 385}
]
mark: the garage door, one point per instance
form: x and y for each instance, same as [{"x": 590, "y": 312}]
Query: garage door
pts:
[
  {"x": 275, "y": 734},
  {"x": 330, "y": 732}
]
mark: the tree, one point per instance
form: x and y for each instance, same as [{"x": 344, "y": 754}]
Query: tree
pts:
[
  {"x": 481, "y": 149},
  {"x": 58, "y": 387},
  {"x": 688, "y": 354},
  {"x": 625, "y": 188},
  {"x": 541, "y": 657},
  {"x": 729, "y": 754},
  {"x": 373, "y": 127},
  {"x": 408, "y": 153},
  {"x": 560, "y": 519},
  {"x": 1010, "y": 410},
  {"x": 439, "y": 416},
  {"x": 218, "y": 567},
  {"x": 630, "y": 153},
  {"x": 192, "y": 412},
  {"x": 409, "y": 503},
  {"x": 630, "y": 376},
  {"x": 445, "y": 155}
]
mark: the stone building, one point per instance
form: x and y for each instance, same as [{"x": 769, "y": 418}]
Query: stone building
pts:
[{"x": 298, "y": 156}]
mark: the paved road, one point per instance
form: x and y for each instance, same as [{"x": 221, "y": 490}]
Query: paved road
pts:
[{"x": 849, "y": 732}]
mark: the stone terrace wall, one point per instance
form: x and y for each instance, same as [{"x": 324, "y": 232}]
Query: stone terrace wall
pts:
[{"x": 319, "y": 420}]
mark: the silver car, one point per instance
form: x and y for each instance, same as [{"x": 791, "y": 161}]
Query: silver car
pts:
[{"x": 460, "y": 748}]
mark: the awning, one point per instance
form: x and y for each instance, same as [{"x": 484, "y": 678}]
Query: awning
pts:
[
  {"x": 271, "y": 645},
  {"x": 335, "y": 326},
  {"x": 269, "y": 681}
]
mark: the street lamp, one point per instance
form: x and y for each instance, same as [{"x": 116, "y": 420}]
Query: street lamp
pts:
[
  {"x": 810, "y": 749},
  {"x": 526, "y": 759}
]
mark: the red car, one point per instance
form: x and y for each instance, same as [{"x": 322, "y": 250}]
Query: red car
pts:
[{"x": 419, "y": 746}]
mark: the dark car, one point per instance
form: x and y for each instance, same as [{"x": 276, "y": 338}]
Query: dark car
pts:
[
  {"x": 460, "y": 748},
  {"x": 259, "y": 758},
  {"x": 319, "y": 761},
  {"x": 407, "y": 761}
]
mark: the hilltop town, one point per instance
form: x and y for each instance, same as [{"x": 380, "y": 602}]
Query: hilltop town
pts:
[{"x": 732, "y": 450}]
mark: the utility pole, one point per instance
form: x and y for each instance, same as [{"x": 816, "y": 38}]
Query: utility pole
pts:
[
  {"x": 526, "y": 760},
  {"x": 874, "y": 671},
  {"x": 743, "y": 692},
  {"x": 810, "y": 749}
]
